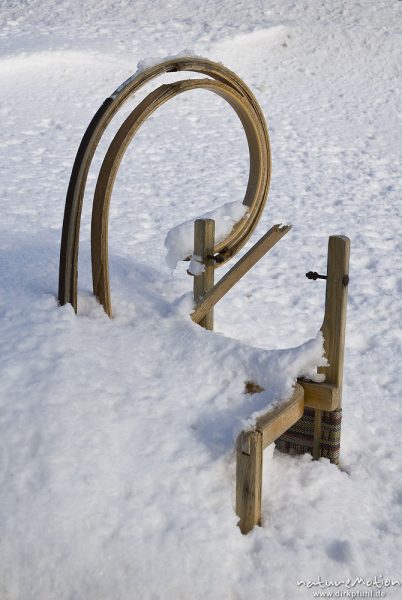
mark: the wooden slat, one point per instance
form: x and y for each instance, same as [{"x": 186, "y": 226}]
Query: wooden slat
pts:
[
  {"x": 277, "y": 421},
  {"x": 324, "y": 396},
  {"x": 204, "y": 239},
  {"x": 239, "y": 270},
  {"x": 249, "y": 479}
]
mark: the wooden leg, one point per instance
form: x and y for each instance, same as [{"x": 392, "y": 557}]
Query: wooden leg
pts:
[
  {"x": 249, "y": 479},
  {"x": 317, "y": 434}
]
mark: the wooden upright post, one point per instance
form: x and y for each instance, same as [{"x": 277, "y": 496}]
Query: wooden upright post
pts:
[
  {"x": 319, "y": 430},
  {"x": 336, "y": 298},
  {"x": 204, "y": 241},
  {"x": 249, "y": 479},
  {"x": 333, "y": 329}
]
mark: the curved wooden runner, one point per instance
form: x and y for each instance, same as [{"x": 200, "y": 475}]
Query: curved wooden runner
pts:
[
  {"x": 223, "y": 82},
  {"x": 255, "y": 193}
]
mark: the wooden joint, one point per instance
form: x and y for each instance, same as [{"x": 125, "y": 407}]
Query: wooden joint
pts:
[{"x": 322, "y": 396}]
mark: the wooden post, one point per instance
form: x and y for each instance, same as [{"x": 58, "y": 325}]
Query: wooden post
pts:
[
  {"x": 249, "y": 479},
  {"x": 204, "y": 241},
  {"x": 318, "y": 431},
  {"x": 336, "y": 297},
  {"x": 333, "y": 328}
]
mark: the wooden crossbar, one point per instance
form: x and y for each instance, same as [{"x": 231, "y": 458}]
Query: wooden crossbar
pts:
[
  {"x": 242, "y": 267},
  {"x": 277, "y": 421},
  {"x": 322, "y": 396}
]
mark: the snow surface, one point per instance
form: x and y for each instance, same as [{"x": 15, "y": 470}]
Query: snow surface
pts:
[{"x": 116, "y": 436}]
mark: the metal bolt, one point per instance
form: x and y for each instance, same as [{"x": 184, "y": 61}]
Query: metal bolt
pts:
[{"x": 314, "y": 275}]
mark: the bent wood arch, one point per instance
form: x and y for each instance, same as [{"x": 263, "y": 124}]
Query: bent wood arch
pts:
[
  {"x": 255, "y": 192},
  {"x": 68, "y": 269}
]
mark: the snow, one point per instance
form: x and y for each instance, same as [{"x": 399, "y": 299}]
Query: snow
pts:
[
  {"x": 147, "y": 63},
  {"x": 117, "y": 465},
  {"x": 179, "y": 241},
  {"x": 196, "y": 266}
]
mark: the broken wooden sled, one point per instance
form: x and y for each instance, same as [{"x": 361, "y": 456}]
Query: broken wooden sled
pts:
[{"x": 309, "y": 421}]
